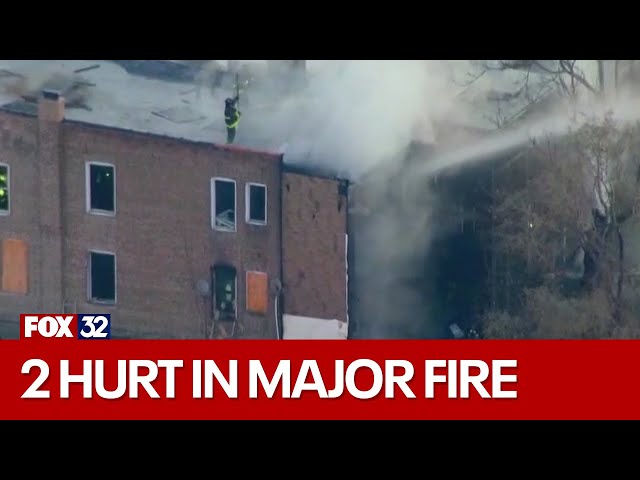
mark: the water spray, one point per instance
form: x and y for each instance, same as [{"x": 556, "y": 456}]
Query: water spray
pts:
[{"x": 504, "y": 141}]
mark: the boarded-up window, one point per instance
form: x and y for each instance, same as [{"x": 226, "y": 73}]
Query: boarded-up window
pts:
[
  {"x": 15, "y": 266},
  {"x": 257, "y": 292}
]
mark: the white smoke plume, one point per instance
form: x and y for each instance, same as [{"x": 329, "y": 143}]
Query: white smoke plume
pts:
[
  {"x": 358, "y": 114},
  {"x": 354, "y": 117}
]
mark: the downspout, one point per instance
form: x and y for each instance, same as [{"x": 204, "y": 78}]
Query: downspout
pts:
[
  {"x": 278, "y": 294},
  {"x": 348, "y": 261},
  {"x": 275, "y": 300},
  {"x": 212, "y": 299}
]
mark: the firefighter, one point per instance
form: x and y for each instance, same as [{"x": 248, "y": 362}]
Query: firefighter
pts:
[{"x": 231, "y": 117}]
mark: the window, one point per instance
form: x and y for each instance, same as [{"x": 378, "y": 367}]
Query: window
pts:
[
  {"x": 101, "y": 188},
  {"x": 256, "y": 203},
  {"x": 223, "y": 204},
  {"x": 4, "y": 189},
  {"x": 102, "y": 277},
  {"x": 15, "y": 266},
  {"x": 225, "y": 286},
  {"x": 257, "y": 292}
]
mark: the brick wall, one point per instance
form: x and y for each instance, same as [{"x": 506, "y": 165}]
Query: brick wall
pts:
[
  {"x": 162, "y": 233},
  {"x": 314, "y": 263},
  {"x": 18, "y": 149}
]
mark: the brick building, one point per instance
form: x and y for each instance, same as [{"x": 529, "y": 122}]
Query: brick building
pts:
[{"x": 174, "y": 237}]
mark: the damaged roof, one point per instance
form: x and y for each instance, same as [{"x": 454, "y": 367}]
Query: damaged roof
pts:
[
  {"x": 170, "y": 98},
  {"x": 183, "y": 100},
  {"x": 158, "y": 97}
]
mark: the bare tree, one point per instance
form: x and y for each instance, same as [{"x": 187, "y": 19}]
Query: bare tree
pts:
[
  {"x": 568, "y": 75},
  {"x": 561, "y": 212}
]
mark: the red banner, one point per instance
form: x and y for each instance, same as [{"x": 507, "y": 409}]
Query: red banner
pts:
[{"x": 58, "y": 378}]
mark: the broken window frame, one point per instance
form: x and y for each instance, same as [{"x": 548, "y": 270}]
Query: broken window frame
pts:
[
  {"x": 88, "y": 191},
  {"x": 225, "y": 315},
  {"x": 90, "y": 295},
  {"x": 248, "y": 218},
  {"x": 214, "y": 223},
  {"x": 7, "y": 211}
]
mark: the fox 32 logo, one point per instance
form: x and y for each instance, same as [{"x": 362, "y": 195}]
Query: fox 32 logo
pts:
[{"x": 94, "y": 326}]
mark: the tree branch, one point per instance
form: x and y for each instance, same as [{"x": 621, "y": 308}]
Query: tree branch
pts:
[{"x": 576, "y": 76}]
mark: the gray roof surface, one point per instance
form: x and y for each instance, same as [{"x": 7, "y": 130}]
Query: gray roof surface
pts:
[
  {"x": 160, "y": 97},
  {"x": 170, "y": 98},
  {"x": 114, "y": 97}
]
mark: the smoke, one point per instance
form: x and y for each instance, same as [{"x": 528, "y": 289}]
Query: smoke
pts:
[
  {"x": 625, "y": 109},
  {"x": 354, "y": 117},
  {"x": 372, "y": 111},
  {"x": 499, "y": 143},
  {"x": 391, "y": 298},
  {"x": 367, "y": 111}
]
